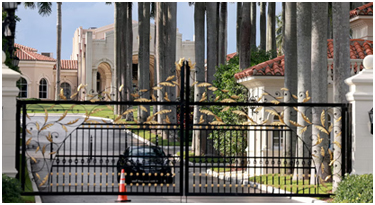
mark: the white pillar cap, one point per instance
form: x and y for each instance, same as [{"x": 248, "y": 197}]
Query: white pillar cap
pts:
[{"x": 367, "y": 62}]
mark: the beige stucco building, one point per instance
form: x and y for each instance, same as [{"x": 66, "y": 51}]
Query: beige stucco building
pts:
[{"x": 91, "y": 63}]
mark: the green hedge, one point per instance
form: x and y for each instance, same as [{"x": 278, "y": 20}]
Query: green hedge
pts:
[
  {"x": 11, "y": 190},
  {"x": 355, "y": 189}
]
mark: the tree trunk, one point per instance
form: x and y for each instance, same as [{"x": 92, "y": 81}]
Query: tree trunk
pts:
[
  {"x": 222, "y": 39},
  {"x": 245, "y": 37},
  {"x": 129, "y": 59},
  {"x": 304, "y": 83},
  {"x": 262, "y": 25},
  {"x": 238, "y": 26},
  {"x": 58, "y": 51},
  {"x": 253, "y": 25},
  {"x": 212, "y": 46},
  {"x": 271, "y": 36},
  {"x": 199, "y": 142},
  {"x": 290, "y": 79},
  {"x": 144, "y": 56},
  {"x": 319, "y": 87},
  {"x": 121, "y": 54},
  {"x": 160, "y": 42},
  {"x": 283, "y": 30},
  {"x": 116, "y": 54},
  {"x": 170, "y": 59},
  {"x": 341, "y": 43}
]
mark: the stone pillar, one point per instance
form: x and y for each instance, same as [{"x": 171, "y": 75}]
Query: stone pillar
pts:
[
  {"x": 361, "y": 97},
  {"x": 10, "y": 91},
  {"x": 88, "y": 64}
]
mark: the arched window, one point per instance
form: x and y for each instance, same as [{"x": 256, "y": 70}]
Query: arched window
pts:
[
  {"x": 98, "y": 83},
  {"x": 67, "y": 89},
  {"x": 22, "y": 85},
  {"x": 43, "y": 88}
]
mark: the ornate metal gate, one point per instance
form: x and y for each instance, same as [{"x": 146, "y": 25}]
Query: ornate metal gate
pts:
[{"x": 70, "y": 150}]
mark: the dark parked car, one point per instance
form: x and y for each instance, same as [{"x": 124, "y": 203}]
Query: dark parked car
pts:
[{"x": 146, "y": 163}]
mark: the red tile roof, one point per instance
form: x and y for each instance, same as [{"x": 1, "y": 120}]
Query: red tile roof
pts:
[
  {"x": 25, "y": 53},
  {"x": 359, "y": 49},
  {"x": 364, "y": 10},
  {"x": 231, "y": 55},
  {"x": 68, "y": 65}
]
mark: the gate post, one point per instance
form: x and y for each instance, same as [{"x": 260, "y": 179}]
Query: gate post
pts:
[
  {"x": 10, "y": 92},
  {"x": 361, "y": 98}
]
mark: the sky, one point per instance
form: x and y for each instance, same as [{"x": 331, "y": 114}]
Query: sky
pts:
[{"x": 39, "y": 32}]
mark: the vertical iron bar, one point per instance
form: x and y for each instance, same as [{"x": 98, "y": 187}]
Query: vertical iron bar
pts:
[
  {"x": 18, "y": 131},
  {"x": 182, "y": 139},
  {"x": 344, "y": 135}
]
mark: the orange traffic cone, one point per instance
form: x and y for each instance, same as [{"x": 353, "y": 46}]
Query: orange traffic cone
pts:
[{"x": 122, "y": 188}]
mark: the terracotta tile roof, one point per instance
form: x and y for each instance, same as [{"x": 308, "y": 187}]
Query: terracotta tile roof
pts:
[
  {"x": 231, "y": 55},
  {"x": 68, "y": 65},
  {"x": 25, "y": 47},
  {"x": 364, "y": 10},
  {"x": 359, "y": 49},
  {"x": 29, "y": 54}
]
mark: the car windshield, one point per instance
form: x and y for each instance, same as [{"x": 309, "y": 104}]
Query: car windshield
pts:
[{"x": 146, "y": 151}]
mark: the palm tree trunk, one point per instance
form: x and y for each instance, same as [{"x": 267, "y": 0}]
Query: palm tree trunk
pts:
[
  {"x": 253, "y": 23},
  {"x": 58, "y": 51},
  {"x": 238, "y": 26},
  {"x": 271, "y": 36},
  {"x": 341, "y": 43},
  {"x": 129, "y": 58},
  {"x": 160, "y": 52},
  {"x": 212, "y": 46},
  {"x": 199, "y": 142},
  {"x": 304, "y": 81},
  {"x": 290, "y": 78},
  {"x": 262, "y": 25},
  {"x": 245, "y": 37},
  {"x": 222, "y": 39},
  {"x": 144, "y": 56},
  {"x": 283, "y": 32},
  {"x": 170, "y": 58},
  {"x": 319, "y": 86}
]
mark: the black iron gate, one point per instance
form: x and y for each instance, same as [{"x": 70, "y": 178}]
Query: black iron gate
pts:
[{"x": 70, "y": 150}]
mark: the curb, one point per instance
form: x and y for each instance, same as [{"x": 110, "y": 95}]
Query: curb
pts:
[
  {"x": 268, "y": 189},
  {"x": 35, "y": 187}
]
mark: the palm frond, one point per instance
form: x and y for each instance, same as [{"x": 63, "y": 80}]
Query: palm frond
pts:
[{"x": 45, "y": 8}]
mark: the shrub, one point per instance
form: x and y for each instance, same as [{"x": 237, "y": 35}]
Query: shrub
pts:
[
  {"x": 355, "y": 189},
  {"x": 11, "y": 190}
]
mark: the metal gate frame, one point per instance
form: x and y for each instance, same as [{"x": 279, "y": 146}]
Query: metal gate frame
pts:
[{"x": 185, "y": 105}]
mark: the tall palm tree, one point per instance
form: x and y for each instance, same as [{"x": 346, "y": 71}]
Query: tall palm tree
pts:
[
  {"x": 238, "y": 26},
  {"x": 319, "y": 86},
  {"x": 245, "y": 51},
  {"x": 280, "y": 35},
  {"x": 271, "y": 20},
  {"x": 262, "y": 25},
  {"x": 58, "y": 51},
  {"x": 304, "y": 78},
  {"x": 170, "y": 59},
  {"x": 144, "y": 55},
  {"x": 253, "y": 23},
  {"x": 199, "y": 141},
  {"x": 222, "y": 37},
  {"x": 341, "y": 43},
  {"x": 290, "y": 76},
  {"x": 129, "y": 57},
  {"x": 160, "y": 52}
]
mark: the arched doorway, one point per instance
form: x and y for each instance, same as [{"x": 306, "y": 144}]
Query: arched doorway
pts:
[{"x": 103, "y": 77}]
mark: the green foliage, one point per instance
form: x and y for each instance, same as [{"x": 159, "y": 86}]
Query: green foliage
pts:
[
  {"x": 355, "y": 189},
  {"x": 11, "y": 190},
  {"x": 234, "y": 141}
]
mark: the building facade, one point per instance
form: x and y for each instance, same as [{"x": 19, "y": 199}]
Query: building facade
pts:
[{"x": 91, "y": 63}]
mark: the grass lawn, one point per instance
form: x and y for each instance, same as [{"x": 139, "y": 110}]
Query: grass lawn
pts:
[{"x": 286, "y": 183}]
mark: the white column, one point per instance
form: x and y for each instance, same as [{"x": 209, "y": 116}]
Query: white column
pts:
[
  {"x": 10, "y": 91},
  {"x": 88, "y": 64},
  {"x": 361, "y": 98}
]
